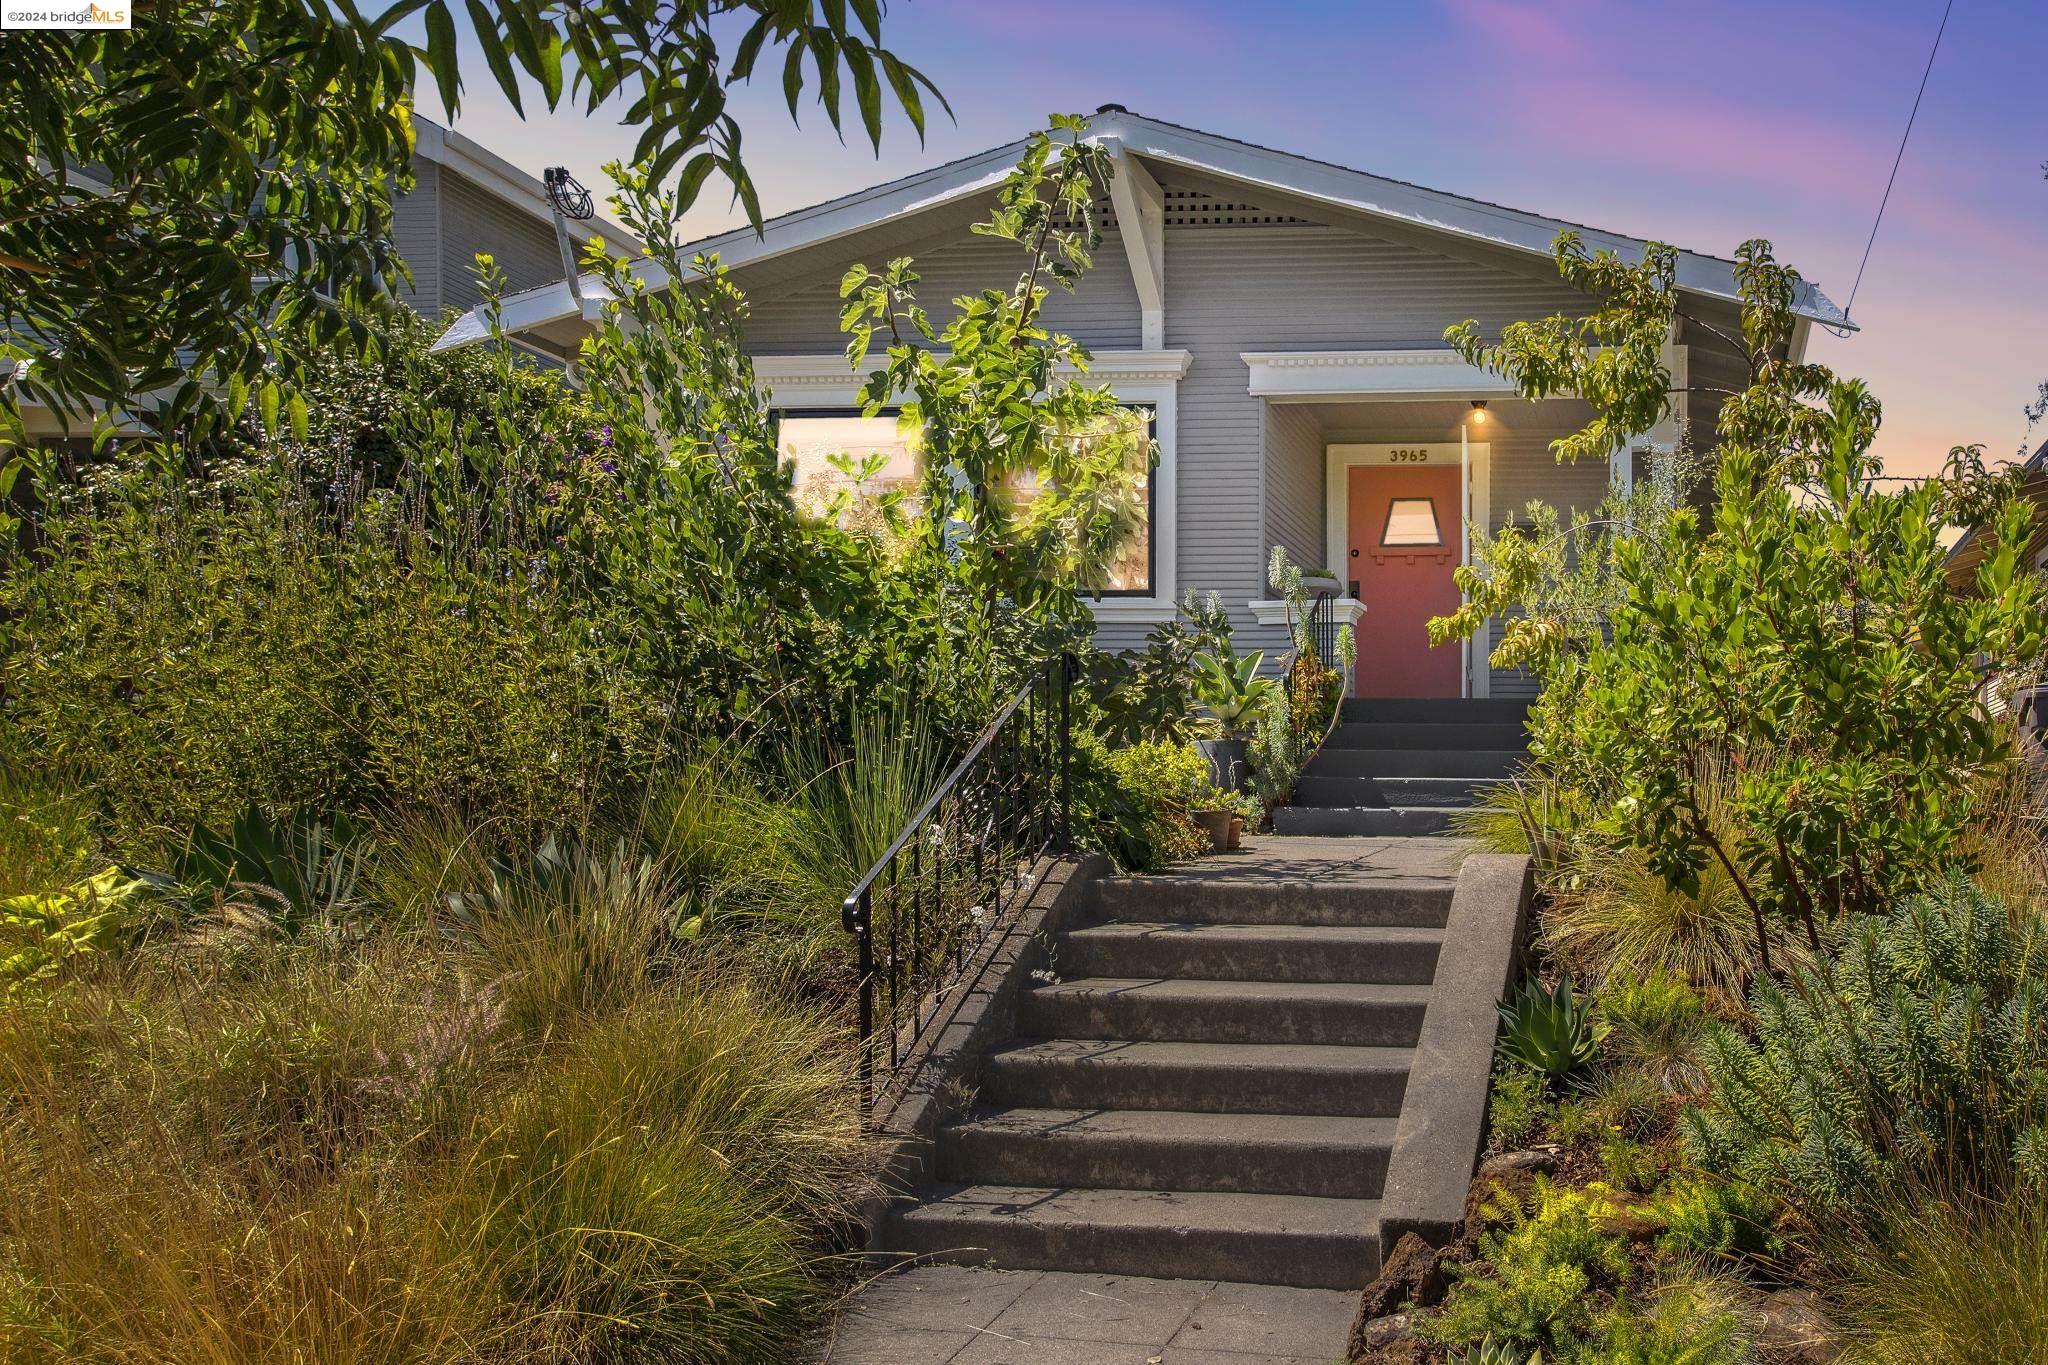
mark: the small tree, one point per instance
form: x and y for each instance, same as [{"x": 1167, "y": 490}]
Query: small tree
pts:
[
  {"x": 1800, "y": 635},
  {"x": 1003, "y": 404}
]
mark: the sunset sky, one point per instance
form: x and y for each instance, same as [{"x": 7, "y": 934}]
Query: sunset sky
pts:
[{"x": 1699, "y": 124}]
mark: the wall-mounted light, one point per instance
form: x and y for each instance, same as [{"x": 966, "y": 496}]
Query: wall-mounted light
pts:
[{"x": 1479, "y": 410}]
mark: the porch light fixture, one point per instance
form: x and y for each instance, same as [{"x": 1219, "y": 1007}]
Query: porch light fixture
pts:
[{"x": 1479, "y": 410}]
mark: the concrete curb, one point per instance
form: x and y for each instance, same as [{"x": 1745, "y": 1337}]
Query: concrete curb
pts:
[
  {"x": 981, "y": 1016},
  {"x": 1443, "y": 1115}
]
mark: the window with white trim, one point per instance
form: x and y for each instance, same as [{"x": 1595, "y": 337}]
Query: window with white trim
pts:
[{"x": 842, "y": 463}]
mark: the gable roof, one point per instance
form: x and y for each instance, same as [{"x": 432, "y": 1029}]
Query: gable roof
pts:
[
  {"x": 1369, "y": 196},
  {"x": 504, "y": 181}
]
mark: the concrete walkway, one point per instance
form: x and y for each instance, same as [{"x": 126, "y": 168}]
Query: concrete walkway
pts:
[{"x": 957, "y": 1315}]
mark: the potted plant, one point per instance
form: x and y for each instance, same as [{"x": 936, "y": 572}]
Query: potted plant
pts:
[
  {"x": 1210, "y": 807},
  {"x": 1234, "y": 694},
  {"x": 1321, "y": 583}
]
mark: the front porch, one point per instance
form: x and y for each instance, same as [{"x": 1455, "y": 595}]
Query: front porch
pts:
[{"x": 1383, "y": 492}]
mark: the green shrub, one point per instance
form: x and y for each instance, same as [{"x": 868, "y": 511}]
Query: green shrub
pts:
[
  {"x": 1655, "y": 1022},
  {"x": 1922, "y": 1046},
  {"x": 1539, "y": 1267},
  {"x": 1520, "y": 1105},
  {"x": 1159, "y": 783},
  {"x": 1549, "y": 1031},
  {"x": 1683, "y": 1322},
  {"x": 1708, "y": 1217}
]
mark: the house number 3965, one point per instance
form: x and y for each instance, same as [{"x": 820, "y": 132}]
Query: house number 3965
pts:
[{"x": 1409, "y": 457}]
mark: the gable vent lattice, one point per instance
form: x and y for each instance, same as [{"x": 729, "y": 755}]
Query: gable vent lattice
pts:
[{"x": 1192, "y": 208}]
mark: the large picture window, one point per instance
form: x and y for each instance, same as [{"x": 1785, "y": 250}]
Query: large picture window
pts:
[{"x": 844, "y": 460}]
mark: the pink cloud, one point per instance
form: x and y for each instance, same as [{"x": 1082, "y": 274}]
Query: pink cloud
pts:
[{"x": 1529, "y": 27}]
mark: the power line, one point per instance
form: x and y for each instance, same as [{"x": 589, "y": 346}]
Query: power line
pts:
[{"x": 1946, "y": 10}]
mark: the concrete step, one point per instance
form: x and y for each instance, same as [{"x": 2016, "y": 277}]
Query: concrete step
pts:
[
  {"x": 1436, "y": 710},
  {"x": 1492, "y": 764},
  {"x": 1438, "y": 735},
  {"x": 1418, "y": 902},
  {"x": 1387, "y": 791},
  {"x": 1339, "y": 1013},
  {"x": 1253, "y": 1238},
  {"x": 1145, "y": 1149},
  {"x": 1251, "y": 952},
  {"x": 1209, "y": 1078},
  {"x": 1375, "y": 822}
]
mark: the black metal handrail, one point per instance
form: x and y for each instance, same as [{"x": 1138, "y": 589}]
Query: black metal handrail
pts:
[
  {"x": 958, "y": 871},
  {"x": 1319, "y": 625}
]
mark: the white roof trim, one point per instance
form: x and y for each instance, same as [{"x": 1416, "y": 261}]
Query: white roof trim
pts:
[{"x": 1354, "y": 191}]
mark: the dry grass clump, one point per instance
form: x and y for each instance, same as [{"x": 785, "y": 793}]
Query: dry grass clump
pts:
[
  {"x": 517, "y": 1142},
  {"x": 1946, "y": 1280}
]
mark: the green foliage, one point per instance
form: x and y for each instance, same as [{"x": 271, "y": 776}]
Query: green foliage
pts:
[
  {"x": 1552, "y": 1032},
  {"x": 1491, "y": 1352},
  {"x": 1001, "y": 401},
  {"x": 203, "y": 155},
  {"x": 1706, "y": 1217},
  {"x": 1801, "y": 636},
  {"x": 1278, "y": 752},
  {"x": 305, "y": 870},
  {"x": 1149, "y": 694},
  {"x": 1687, "y": 1322},
  {"x": 1232, "y": 690},
  {"x": 1519, "y": 1105},
  {"x": 1614, "y": 913},
  {"x": 1655, "y": 1023},
  {"x": 1539, "y": 1269},
  {"x": 44, "y": 935},
  {"x": 1160, "y": 783},
  {"x": 1922, "y": 1046}
]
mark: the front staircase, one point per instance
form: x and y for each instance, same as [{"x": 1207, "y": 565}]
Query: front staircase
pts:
[
  {"x": 1207, "y": 1082},
  {"x": 1403, "y": 766}
]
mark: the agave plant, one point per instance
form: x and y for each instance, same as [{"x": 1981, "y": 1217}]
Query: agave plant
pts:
[
  {"x": 1550, "y": 1031},
  {"x": 298, "y": 871},
  {"x": 1233, "y": 691}
]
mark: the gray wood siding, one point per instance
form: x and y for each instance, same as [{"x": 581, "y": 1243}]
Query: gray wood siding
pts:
[
  {"x": 1236, "y": 289},
  {"x": 416, "y": 232},
  {"x": 802, "y": 318},
  {"x": 473, "y": 221},
  {"x": 1294, "y": 484}
]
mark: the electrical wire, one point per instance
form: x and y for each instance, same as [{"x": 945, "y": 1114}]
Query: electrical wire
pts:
[{"x": 1893, "y": 177}]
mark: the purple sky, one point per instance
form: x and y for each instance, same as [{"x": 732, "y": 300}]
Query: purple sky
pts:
[{"x": 1700, "y": 124}]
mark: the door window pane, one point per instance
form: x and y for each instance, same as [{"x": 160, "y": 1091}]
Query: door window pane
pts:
[{"x": 1412, "y": 521}]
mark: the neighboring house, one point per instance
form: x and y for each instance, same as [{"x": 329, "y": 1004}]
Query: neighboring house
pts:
[
  {"x": 1282, "y": 319},
  {"x": 1965, "y": 554},
  {"x": 465, "y": 200},
  {"x": 468, "y": 200}
]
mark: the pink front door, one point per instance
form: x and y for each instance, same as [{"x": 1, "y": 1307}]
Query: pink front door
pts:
[{"x": 1405, "y": 531}]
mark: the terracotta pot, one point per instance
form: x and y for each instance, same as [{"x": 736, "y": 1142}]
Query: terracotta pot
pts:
[
  {"x": 1215, "y": 824},
  {"x": 1236, "y": 833}
]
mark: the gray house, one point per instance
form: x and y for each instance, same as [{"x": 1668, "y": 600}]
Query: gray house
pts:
[
  {"x": 1282, "y": 320},
  {"x": 466, "y": 200}
]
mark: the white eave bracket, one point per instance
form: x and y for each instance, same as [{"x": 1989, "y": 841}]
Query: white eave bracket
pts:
[{"x": 1141, "y": 222}]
